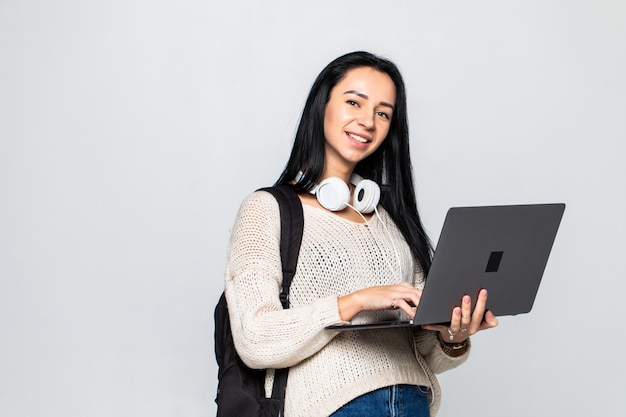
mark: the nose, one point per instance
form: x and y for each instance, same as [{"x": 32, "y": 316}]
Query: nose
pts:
[{"x": 366, "y": 119}]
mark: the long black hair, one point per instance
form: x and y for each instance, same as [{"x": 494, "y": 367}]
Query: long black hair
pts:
[{"x": 389, "y": 166}]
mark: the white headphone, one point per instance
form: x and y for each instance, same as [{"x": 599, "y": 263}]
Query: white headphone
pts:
[{"x": 333, "y": 194}]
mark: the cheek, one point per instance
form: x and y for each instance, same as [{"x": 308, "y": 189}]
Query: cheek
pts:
[
  {"x": 331, "y": 114},
  {"x": 331, "y": 119},
  {"x": 384, "y": 131}
]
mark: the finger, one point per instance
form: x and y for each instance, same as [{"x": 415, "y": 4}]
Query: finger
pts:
[
  {"x": 453, "y": 331},
  {"x": 466, "y": 311},
  {"x": 410, "y": 295},
  {"x": 455, "y": 321},
  {"x": 407, "y": 306},
  {"x": 479, "y": 311},
  {"x": 490, "y": 321}
]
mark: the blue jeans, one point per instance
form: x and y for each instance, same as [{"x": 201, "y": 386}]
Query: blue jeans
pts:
[{"x": 394, "y": 401}]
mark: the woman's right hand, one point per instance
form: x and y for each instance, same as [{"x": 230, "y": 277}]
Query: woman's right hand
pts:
[{"x": 397, "y": 296}]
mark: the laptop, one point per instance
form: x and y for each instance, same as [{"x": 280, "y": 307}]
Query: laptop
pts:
[{"x": 504, "y": 249}]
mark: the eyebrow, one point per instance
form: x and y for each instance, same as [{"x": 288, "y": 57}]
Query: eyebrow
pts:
[{"x": 382, "y": 103}]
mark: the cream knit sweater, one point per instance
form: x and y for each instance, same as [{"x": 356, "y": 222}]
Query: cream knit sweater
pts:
[{"x": 337, "y": 257}]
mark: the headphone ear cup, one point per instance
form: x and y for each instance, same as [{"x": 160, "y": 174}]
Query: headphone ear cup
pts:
[
  {"x": 366, "y": 196},
  {"x": 333, "y": 194}
]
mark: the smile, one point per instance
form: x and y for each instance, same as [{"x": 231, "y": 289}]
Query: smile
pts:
[{"x": 359, "y": 139}]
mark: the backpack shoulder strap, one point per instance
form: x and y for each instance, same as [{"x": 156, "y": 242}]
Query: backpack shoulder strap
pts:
[{"x": 291, "y": 227}]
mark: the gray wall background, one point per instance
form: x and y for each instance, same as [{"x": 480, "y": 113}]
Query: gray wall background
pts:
[{"x": 131, "y": 130}]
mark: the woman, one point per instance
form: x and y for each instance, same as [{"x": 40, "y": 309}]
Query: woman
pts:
[{"x": 354, "y": 265}]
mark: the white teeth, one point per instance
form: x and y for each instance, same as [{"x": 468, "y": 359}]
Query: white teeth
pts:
[{"x": 358, "y": 138}]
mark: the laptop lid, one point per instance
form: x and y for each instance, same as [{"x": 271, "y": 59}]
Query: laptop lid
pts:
[{"x": 504, "y": 249}]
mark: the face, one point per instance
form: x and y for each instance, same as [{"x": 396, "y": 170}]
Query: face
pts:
[{"x": 357, "y": 118}]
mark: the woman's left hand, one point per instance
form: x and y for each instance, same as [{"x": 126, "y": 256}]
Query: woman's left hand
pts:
[{"x": 464, "y": 323}]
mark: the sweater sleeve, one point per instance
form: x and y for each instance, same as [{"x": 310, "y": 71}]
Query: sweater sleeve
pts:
[
  {"x": 427, "y": 344},
  {"x": 266, "y": 335}
]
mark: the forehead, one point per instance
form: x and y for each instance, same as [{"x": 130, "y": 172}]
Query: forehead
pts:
[{"x": 376, "y": 85}]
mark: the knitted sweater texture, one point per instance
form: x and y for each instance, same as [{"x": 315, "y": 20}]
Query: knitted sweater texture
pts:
[{"x": 337, "y": 257}]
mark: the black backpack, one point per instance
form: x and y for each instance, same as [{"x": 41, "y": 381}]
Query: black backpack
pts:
[{"x": 240, "y": 390}]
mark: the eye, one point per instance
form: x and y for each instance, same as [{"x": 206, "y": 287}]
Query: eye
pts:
[
  {"x": 383, "y": 115},
  {"x": 352, "y": 103}
]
